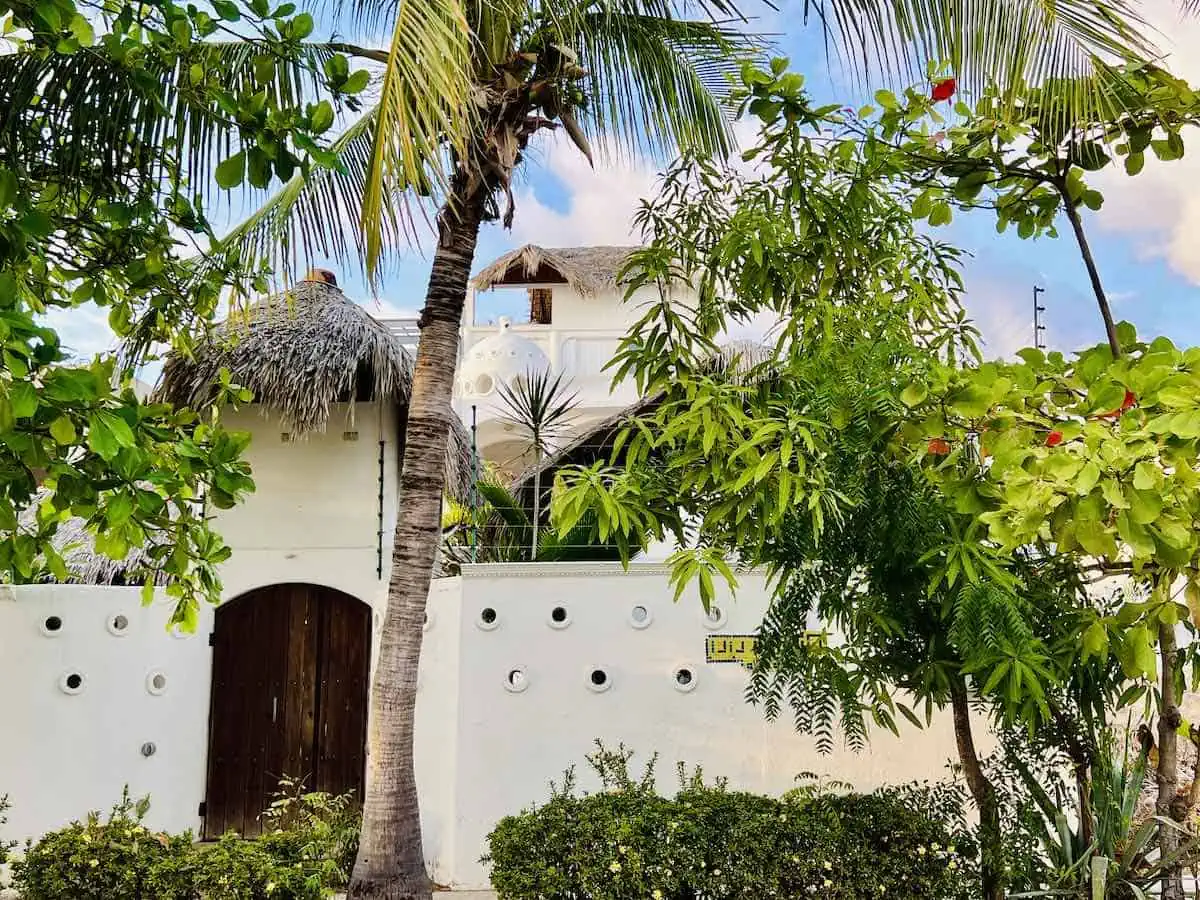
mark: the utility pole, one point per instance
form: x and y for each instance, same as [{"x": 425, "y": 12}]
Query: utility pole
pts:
[{"x": 1038, "y": 327}]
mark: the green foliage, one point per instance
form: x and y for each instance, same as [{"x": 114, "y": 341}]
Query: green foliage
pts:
[
  {"x": 99, "y": 859},
  {"x": 626, "y": 841},
  {"x": 814, "y": 237},
  {"x": 235, "y": 869},
  {"x": 5, "y": 846},
  {"x": 500, "y": 529},
  {"x": 110, "y": 131},
  {"x": 1030, "y": 162},
  {"x": 1094, "y": 456},
  {"x": 305, "y": 853},
  {"x": 313, "y": 830}
]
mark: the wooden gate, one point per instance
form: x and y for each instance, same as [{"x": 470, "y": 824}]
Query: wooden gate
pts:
[{"x": 291, "y": 666}]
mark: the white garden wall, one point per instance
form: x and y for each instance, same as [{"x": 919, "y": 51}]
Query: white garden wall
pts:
[{"x": 484, "y": 748}]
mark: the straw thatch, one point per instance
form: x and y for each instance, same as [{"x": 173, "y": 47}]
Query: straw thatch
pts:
[
  {"x": 74, "y": 543},
  {"x": 589, "y": 270},
  {"x": 301, "y": 352},
  {"x": 735, "y": 359}
]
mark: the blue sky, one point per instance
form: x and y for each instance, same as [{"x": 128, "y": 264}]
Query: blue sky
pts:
[{"x": 1146, "y": 238}]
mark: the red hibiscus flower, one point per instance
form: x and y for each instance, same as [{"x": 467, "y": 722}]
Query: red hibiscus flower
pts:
[
  {"x": 1054, "y": 438},
  {"x": 943, "y": 90},
  {"x": 939, "y": 446}
]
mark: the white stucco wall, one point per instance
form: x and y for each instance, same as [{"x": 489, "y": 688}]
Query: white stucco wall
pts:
[
  {"x": 510, "y": 744},
  {"x": 314, "y": 516},
  {"x": 483, "y": 751},
  {"x": 62, "y": 754}
]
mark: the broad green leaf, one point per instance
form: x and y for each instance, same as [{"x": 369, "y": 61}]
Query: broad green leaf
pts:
[
  {"x": 230, "y": 173},
  {"x": 62, "y": 430}
]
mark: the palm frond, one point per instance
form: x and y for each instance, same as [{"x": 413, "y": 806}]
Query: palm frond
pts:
[
  {"x": 96, "y": 107},
  {"x": 658, "y": 83},
  {"x": 1015, "y": 43},
  {"x": 426, "y": 110},
  {"x": 317, "y": 215}
]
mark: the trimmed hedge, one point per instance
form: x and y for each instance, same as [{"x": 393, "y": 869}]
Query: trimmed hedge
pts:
[{"x": 630, "y": 843}]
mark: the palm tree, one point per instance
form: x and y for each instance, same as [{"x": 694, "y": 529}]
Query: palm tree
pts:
[
  {"x": 538, "y": 406},
  {"x": 467, "y": 85}
]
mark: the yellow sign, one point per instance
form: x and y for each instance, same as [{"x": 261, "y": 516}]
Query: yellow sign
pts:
[{"x": 730, "y": 648}]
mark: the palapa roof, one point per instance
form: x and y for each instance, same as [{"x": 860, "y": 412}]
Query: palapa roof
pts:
[
  {"x": 299, "y": 353},
  {"x": 589, "y": 270},
  {"x": 735, "y": 359}
]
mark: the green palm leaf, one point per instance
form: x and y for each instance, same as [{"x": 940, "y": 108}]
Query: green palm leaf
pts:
[{"x": 96, "y": 108}]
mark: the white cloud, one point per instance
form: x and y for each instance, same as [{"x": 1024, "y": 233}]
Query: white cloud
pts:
[
  {"x": 1160, "y": 207},
  {"x": 601, "y": 204}
]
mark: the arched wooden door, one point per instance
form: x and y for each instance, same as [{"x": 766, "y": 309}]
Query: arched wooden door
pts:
[{"x": 291, "y": 667}]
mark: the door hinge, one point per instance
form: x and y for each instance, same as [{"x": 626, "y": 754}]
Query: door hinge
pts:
[
  {"x": 202, "y": 810},
  {"x": 212, "y": 639}
]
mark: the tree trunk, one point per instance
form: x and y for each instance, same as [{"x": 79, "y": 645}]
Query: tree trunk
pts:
[
  {"x": 1169, "y": 719},
  {"x": 1085, "y": 250},
  {"x": 984, "y": 794},
  {"x": 391, "y": 861}
]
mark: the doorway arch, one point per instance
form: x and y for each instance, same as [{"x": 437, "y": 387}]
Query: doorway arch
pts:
[{"x": 291, "y": 672}]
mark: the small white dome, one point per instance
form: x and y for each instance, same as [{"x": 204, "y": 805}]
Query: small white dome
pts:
[{"x": 502, "y": 358}]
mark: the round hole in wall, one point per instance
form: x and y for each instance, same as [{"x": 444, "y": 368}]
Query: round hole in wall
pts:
[
  {"x": 484, "y": 384},
  {"x": 71, "y": 683},
  {"x": 118, "y": 625},
  {"x": 559, "y": 617},
  {"x": 640, "y": 616},
  {"x": 516, "y": 680},
  {"x": 598, "y": 680},
  {"x": 177, "y": 631},
  {"x": 427, "y": 623},
  {"x": 149, "y": 749},
  {"x": 156, "y": 683},
  {"x": 52, "y": 626},
  {"x": 685, "y": 679},
  {"x": 714, "y": 618},
  {"x": 488, "y": 618}
]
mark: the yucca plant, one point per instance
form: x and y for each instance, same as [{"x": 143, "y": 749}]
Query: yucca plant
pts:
[{"x": 1120, "y": 861}]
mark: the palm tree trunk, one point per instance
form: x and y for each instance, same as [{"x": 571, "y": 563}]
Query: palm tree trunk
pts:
[
  {"x": 391, "y": 861},
  {"x": 1169, "y": 719},
  {"x": 982, "y": 792}
]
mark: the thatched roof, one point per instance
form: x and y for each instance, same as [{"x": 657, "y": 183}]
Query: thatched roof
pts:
[
  {"x": 589, "y": 270},
  {"x": 734, "y": 359},
  {"x": 75, "y": 544},
  {"x": 301, "y": 352}
]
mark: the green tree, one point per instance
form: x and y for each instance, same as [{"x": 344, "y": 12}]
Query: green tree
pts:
[
  {"x": 1096, "y": 456},
  {"x": 1031, "y": 164},
  {"x": 93, "y": 208},
  {"x": 811, "y": 461}
]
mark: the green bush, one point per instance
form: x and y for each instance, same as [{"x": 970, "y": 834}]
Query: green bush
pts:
[
  {"x": 104, "y": 859},
  {"x": 306, "y": 851},
  {"x": 313, "y": 829},
  {"x": 629, "y": 843},
  {"x": 237, "y": 869},
  {"x": 5, "y": 846}
]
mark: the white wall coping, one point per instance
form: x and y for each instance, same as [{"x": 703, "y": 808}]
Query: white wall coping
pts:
[{"x": 567, "y": 569}]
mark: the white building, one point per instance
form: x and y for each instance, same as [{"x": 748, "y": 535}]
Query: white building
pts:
[{"x": 524, "y": 665}]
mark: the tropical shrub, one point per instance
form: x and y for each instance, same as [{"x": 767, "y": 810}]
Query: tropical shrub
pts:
[
  {"x": 313, "y": 829},
  {"x": 306, "y": 851},
  {"x": 98, "y": 859},
  {"x": 5, "y": 846},
  {"x": 237, "y": 869},
  {"x": 628, "y": 842}
]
